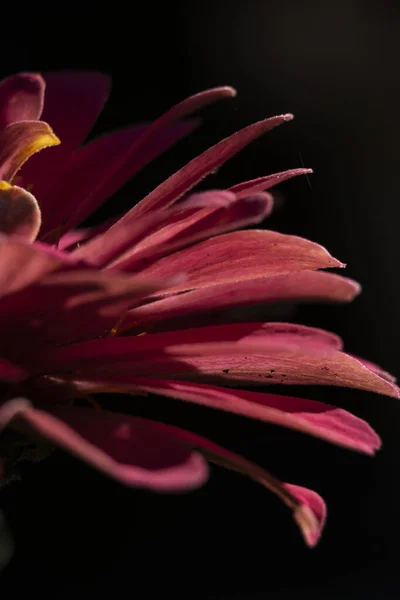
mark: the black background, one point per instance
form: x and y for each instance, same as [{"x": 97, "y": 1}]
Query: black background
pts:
[{"x": 336, "y": 66}]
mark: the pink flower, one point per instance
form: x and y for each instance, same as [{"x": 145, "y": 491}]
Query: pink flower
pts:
[{"x": 117, "y": 312}]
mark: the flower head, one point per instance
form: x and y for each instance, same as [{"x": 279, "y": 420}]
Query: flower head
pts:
[{"x": 118, "y": 307}]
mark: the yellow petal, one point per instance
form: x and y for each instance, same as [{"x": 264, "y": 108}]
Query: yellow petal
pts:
[{"x": 19, "y": 141}]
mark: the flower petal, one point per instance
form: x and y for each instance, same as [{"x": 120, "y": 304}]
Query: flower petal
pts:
[
  {"x": 133, "y": 452},
  {"x": 21, "y": 98},
  {"x": 98, "y": 170},
  {"x": 240, "y": 213},
  {"x": 19, "y": 212},
  {"x": 67, "y": 306},
  {"x": 242, "y": 255},
  {"x": 309, "y": 510},
  {"x": 265, "y": 183},
  {"x": 376, "y": 369},
  {"x": 132, "y": 245},
  {"x": 74, "y": 100},
  {"x": 19, "y": 141},
  {"x": 314, "y": 418},
  {"x": 259, "y": 353},
  {"x": 183, "y": 180},
  {"x": 22, "y": 263},
  {"x": 302, "y": 286},
  {"x": 159, "y": 136},
  {"x": 10, "y": 372}
]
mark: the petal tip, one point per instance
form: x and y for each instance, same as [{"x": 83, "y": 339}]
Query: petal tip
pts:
[{"x": 229, "y": 91}]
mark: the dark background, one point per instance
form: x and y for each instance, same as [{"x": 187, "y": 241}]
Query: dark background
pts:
[{"x": 336, "y": 66}]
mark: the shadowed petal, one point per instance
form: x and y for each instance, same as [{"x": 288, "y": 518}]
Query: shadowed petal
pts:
[
  {"x": 21, "y": 98},
  {"x": 10, "y": 372},
  {"x": 74, "y": 100},
  {"x": 67, "y": 306},
  {"x": 19, "y": 141},
  {"x": 135, "y": 453},
  {"x": 298, "y": 287}
]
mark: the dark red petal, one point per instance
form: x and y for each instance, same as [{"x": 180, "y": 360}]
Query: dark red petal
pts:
[
  {"x": 73, "y": 102},
  {"x": 21, "y": 98}
]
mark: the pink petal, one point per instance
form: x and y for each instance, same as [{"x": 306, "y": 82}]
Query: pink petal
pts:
[
  {"x": 133, "y": 233},
  {"x": 301, "y": 286},
  {"x": 156, "y": 138},
  {"x": 160, "y": 135},
  {"x": 98, "y": 170},
  {"x": 198, "y": 168},
  {"x": 314, "y": 418},
  {"x": 21, "y": 264},
  {"x": 19, "y": 141},
  {"x": 133, "y": 452},
  {"x": 76, "y": 237},
  {"x": 21, "y": 98},
  {"x": 240, "y": 213},
  {"x": 132, "y": 245},
  {"x": 242, "y": 255},
  {"x": 265, "y": 183},
  {"x": 270, "y": 353},
  {"x": 238, "y": 334}
]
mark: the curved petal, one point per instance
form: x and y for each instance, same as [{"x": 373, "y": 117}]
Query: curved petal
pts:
[
  {"x": 183, "y": 180},
  {"x": 19, "y": 141},
  {"x": 21, "y": 98},
  {"x": 309, "y": 510},
  {"x": 135, "y": 453},
  {"x": 73, "y": 102},
  {"x": 19, "y": 212},
  {"x": 239, "y": 213},
  {"x": 265, "y": 183},
  {"x": 314, "y": 418}
]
